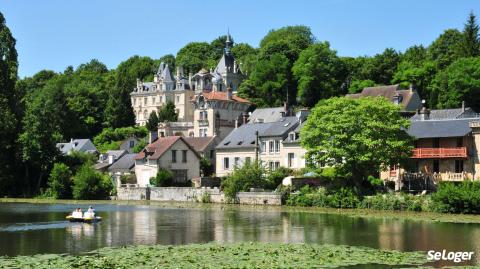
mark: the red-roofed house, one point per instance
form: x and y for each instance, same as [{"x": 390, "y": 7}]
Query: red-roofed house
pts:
[{"x": 172, "y": 153}]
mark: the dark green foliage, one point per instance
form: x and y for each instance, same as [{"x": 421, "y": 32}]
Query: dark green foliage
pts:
[
  {"x": 462, "y": 197},
  {"x": 206, "y": 167},
  {"x": 169, "y": 59},
  {"x": 89, "y": 184},
  {"x": 274, "y": 178},
  {"x": 445, "y": 49},
  {"x": 470, "y": 46},
  {"x": 458, "y": 82},
  {"x": 152, "y": 123},
  {"x": 319, "y": 72},
  {"x": 60, "y": 182},
  {"x": 404, "y": 202},
  {"x": 194, "y": 56},
  {"x": 357, "y": 86},
  {"x": 110, "y": 139},
  {"x": 250, "y": 175},
  {"x": 320, "y": 197},
  {"x": 118, "y": 111},
  {"x": 167, "y": 113},
  {"x": 140, "y": 145},
  {"x": 164, "y": 178}
]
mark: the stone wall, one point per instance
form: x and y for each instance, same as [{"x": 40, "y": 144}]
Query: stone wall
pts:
[
  {"x": 132, "y": 193},
  {"x": 186, "y": 194},
  {"x": 259, "y": 198}
]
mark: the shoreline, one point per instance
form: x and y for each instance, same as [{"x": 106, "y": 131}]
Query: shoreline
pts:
[{"x": 358, "y": 213}]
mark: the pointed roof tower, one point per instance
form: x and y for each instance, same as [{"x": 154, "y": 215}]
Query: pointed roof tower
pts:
[{"x": 228, "y": 43}]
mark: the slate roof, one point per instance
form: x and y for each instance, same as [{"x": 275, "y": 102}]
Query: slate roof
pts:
[
  {"x": 244, "y": 136},
  {"x": 225, "y": 63},
  {"x": 442, "y": 114},
  {"x": 124, "y": 164},
  {"x": 440, "y": 128},
  {"x": 83, "y": 145},
  {"x": 266, "y": 114},
  {"x": 199, "y": 143}
]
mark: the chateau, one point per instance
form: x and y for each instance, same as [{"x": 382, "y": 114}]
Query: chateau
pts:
[{"x": 205, "y": 102}]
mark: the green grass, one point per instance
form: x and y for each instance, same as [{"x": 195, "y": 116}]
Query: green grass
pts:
[{"x": 211, "y": 255}]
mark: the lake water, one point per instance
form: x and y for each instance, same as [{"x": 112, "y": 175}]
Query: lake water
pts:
[{"x": 27, "y": 229}]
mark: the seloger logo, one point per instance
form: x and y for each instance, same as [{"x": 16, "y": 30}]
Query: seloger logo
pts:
[{"x": 459, "y": 256}]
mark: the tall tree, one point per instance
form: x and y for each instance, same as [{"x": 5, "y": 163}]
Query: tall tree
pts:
[
  {"x": 458, "y": 82},
  {"x": 167, "y": 113},
  {"x": 359, "y": 136},
  {"x": 470, "y": 46},
  {"x": 8, "y": 103},
  {"x": 446, "y": 48},
  {"x": 46, "y": 118},
  {"x": 170, "y": 60},
  {"x": 320, "y": 74},
  {"x": 194, "y": 56},
  {"x": 152, "y": 122},
  {"x": 119, "y": 112}
]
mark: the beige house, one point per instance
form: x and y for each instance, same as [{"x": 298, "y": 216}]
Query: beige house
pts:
[
  {"x": 446, "y": 149},
  {"x": 172, "y": 153},
  {"x": 275, "y": 144}
]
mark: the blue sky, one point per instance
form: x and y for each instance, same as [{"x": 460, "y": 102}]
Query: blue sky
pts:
[{"x": 52, "y": 34}]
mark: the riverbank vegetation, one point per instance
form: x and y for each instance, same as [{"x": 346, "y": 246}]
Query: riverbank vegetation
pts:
[{"x": 238, "y": 255}]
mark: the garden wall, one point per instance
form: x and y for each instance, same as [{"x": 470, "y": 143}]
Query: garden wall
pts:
[{"x": 187, "y": 194}]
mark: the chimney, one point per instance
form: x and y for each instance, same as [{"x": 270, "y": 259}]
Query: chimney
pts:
[
  {"x": 236, "y": 123},
  {"x": 245, "y": 118},
  {"x": 424, "y": 112},
  {"x": 229, "y": 93},
  {"x": 463, "y": 106},
  {"x": 285, "y": 108},
  {"x": 235, "y": 67},
  {"x": 110, "y": 159}
]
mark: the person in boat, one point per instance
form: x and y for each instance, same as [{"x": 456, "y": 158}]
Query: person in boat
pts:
[
  {"x": 90, "y": 212},
  {"x": 77, "y": 213}
]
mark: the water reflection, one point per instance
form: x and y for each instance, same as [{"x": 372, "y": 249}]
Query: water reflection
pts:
[{"x": 41, "y": 229}]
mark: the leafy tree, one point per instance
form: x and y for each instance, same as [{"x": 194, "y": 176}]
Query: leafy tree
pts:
[
  {"x": 470, "y": 46},
  {"x": 357, "y": 86},
  {"x": 250, "y": 175},
  {"x": 381, "y": 67},
  {"x": 458, "y": 82},
  {"x": 8, "y": 103},
  {"x": 167, "y": 113},
  {"x": 274, "y": 178},
  {"x": 206, "y": 167},
  {"x": 246, "y": 57},
  {"x": 164, "y": 178},
  {"x": 90, "y": 184},
  {"x": 140, "y": 145},
  {"x": 297, "y": 37},
  {"x": 319, "y": 72},
  {"x": 359, "y": 136},
  {"x": 446, "y": 48},
  {"x": 46, "y": 117},
  {"x": 267, "y": 84},
  {"x": 118, "y": 111},
  {"x": 415, "y": 55},
  {"x": 60, "y": 182},
  {"x": 420, "y": 76},
  {"x": 194, "y": 56},
  {"x": 152, "y": 123}
]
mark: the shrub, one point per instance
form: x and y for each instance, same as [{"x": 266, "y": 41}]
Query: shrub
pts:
[
  {"x": 206, "y": 167},
  {"x": 405, "y": 202},
  {"x": 205, "y": 198},
  {"x": 90, "y": 184},
  {"x": 307, "y": 196},
  {"x": 164, "y": 178},
  {"x": 344, "y": 198},
  {"x": 462, "y": 198},
  {"x": 60, "y": 182},
  {"x": 250, "y": 175},
  {"x": 274, "y": 178},
  {"x": 76, "y": 159},
  {"x": 140, "y": 145}
]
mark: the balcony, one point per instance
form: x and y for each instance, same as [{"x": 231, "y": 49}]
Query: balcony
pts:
[
  {"x": 202, "y": 122},
  {"x": 439, "y": 153}
]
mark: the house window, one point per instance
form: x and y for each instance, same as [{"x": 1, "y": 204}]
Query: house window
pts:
[
  {"x": 263, "y": 146},
  {"x": 292, "y": 136},
  {"x": 291, "y": 158},
  {"x": 212, "y": 154},
  {"x": 132, "y": 144},
  {"x": 248, "y": 160},
  {"x": 270, "y": 146},
  {"x": 203, "y": 132},
  {"x": 277, "y": 165},
  {"x": 273, "y": 165},
  {"x": 236, "y": 161},
  {"x": 226, "y": 163},
  {"x": 184, "y": 156},
  {"x": 436, "y": 166},
  {"x": 134, "y": 101},
  {"x": 145, "y": 100},
  {"x": 177, "y": 99},
  {"x": 161, "y": 99},
  {"x": 174, "y": 156},
  {"x": 277, "y": 146},
  {"x": 436, "y": 142},
  {"x": 458, "y": 166}
]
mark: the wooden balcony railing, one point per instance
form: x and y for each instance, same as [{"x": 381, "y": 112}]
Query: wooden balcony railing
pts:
[{"x": 423, "y": 153}]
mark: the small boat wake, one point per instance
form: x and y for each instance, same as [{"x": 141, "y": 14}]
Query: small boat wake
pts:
[{"x": 34, "y": 226}]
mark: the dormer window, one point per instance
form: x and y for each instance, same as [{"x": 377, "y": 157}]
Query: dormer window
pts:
[{"x": 291, "y": 136}]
